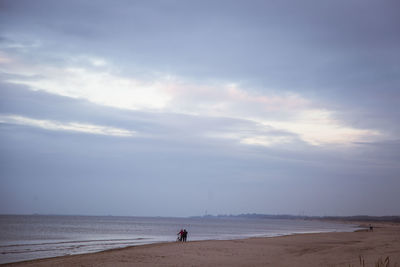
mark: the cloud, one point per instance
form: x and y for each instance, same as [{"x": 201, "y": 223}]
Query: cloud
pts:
[
  {"x": 318, "y": 126},
  {"x": 38, "y": 106},
  {"x": 165, "y": 93},
  {"x": 238, "y": 60},
  {"x": 100, "y": 87},
  {"x": 69, "y": 127}
]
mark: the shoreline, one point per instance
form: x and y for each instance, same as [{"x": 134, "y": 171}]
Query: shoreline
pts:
[
  {"x": 90, "y": 246},
  {"x": 354, "y": 227},
  {"x": 308, "y": 249}
]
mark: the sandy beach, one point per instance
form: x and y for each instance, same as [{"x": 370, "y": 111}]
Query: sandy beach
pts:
[{"x": 322, "y": 249}]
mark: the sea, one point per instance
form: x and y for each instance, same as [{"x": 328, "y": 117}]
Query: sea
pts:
[{"x": 26, "y": 237}]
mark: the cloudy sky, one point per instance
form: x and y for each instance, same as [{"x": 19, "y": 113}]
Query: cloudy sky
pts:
[{"x": 178, "y": 108}]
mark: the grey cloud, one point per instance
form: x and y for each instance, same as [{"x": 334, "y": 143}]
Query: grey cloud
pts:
[
  {"x": 267, "y": 39},
  {"x": 345, "y": 54}
]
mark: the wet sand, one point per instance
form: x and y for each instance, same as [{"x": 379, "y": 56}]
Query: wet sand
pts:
[{"x": 323, "y": 249}]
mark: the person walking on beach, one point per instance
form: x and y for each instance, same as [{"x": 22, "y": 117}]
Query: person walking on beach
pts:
[
  {"x": 184, "y": 236},
  {"x": 180, "y": 235}
]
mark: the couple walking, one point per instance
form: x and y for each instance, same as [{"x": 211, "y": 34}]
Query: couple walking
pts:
[{"x": 182, "y": 235}]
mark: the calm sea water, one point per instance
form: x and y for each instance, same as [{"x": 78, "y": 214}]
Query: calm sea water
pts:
[{"x": 37, "y": 236}]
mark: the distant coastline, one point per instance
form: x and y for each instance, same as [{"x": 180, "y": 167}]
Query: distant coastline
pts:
[{"x": 355, "y": 218}]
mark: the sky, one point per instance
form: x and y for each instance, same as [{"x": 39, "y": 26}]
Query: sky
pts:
[{"x": 182, "y": 108}]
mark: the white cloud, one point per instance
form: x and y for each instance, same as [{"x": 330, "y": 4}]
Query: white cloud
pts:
[
  {"x": 318, "y": 127},
  {"x": 165, "y": 93},
  {"x": 266, "y": 140},
  {"x": 100, "y": 87},
  {"x": 258, "y": 139},
  {"x": 98, "y": 62},
  {"x": 69, "y": 126}
]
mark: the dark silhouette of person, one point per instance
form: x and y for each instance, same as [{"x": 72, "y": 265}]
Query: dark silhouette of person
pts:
[
  {"x": 180, "y": 235},
  {"x": 184, "y": 236}
]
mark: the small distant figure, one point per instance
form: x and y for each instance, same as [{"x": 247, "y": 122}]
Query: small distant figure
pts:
[
  {"x": 371, "y": 228},
  {"x": 184, "y": 236},
  {"x": 180, "y": 235}
]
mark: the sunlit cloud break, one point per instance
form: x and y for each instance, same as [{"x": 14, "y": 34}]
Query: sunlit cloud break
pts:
[{"x": 69, "y": 126}]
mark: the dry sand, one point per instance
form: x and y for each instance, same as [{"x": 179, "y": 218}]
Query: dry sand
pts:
[{"x": 324, "y": 249}]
